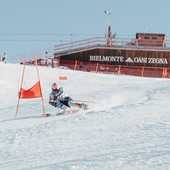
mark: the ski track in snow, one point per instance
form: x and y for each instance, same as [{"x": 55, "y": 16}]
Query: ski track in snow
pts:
[{"x": 128, "y": 127}]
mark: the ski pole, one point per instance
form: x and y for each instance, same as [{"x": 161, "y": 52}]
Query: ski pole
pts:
[{"x": 85, "y": 101}]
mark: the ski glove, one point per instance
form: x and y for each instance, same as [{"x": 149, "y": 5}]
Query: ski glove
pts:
[{"x": 53, "y": 104}]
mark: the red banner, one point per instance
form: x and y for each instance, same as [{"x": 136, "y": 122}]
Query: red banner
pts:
[{"x": 62, "y": 78}]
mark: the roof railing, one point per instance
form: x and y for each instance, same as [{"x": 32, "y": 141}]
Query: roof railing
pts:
[{"x": 64, "y": 49}]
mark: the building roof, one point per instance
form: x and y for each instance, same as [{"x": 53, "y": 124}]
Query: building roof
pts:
[{"x": 137, "y": 34}]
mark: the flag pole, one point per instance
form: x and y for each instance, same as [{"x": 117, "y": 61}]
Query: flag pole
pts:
[
  {"x": 20, "y": 88},
  {"x": 35, "y": 58}
]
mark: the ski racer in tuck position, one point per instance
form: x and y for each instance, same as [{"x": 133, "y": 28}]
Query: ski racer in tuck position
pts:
[{"x": 57, "y": 99}]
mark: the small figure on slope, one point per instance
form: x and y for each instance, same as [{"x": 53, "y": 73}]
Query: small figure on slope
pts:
[
  {"x": 57, "y": 99},
  {"x": 2, "y": 59}
]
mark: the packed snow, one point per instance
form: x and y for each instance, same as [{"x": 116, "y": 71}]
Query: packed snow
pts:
[{"x": 127, "y": 126}]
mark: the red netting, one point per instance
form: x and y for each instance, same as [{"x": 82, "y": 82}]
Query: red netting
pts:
[{"x": 117, "y": 69}]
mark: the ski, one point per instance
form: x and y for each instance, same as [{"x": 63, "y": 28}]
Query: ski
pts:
[{"x": 65, "y": 112}]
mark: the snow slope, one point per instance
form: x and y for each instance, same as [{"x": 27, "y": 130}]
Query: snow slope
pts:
[{"x": 127, "y": 129}]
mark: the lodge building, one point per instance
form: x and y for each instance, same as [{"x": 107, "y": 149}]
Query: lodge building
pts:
[{"x": 146, "y": 55}]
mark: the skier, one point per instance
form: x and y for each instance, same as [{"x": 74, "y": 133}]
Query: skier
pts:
[
  {"x": 57, "y": 99},
  {"x": 4, "y": 57}
]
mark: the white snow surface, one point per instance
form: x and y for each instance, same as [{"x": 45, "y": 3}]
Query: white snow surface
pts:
[{"x": 127, "y": 128}]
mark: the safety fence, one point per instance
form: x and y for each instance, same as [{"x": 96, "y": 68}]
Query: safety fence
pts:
[
  {"x": 157, "y": 72},
  {"x": 143, "y": 71}
]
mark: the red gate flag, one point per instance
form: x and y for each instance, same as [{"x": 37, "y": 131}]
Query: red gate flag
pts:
[{"x": 33, "y": 92}]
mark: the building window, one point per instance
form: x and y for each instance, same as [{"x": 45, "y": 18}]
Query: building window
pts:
[
  {"x": 146, "y": 37},
  {"x": 154, "y": 38}
]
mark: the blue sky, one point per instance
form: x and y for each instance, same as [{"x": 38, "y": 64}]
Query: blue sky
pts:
[{"x": 28, "y": 25}]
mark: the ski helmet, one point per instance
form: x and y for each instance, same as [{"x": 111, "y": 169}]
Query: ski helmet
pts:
[{"x": 54, "y": 86}]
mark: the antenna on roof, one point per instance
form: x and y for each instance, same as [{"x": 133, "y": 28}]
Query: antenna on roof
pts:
[
  {"x": 107, "y": 13},
  {"x": 146, "y": 29}
]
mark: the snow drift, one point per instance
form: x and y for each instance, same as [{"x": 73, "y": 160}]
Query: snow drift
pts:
[{"x": 128, "y": 127}]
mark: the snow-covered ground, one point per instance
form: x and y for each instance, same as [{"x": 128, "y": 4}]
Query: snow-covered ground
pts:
[{"x": 128, "y": 127}]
